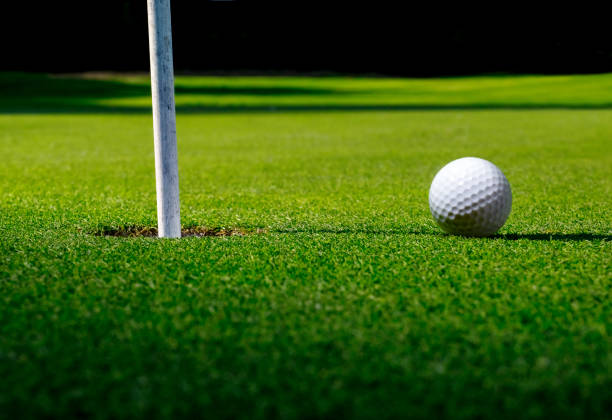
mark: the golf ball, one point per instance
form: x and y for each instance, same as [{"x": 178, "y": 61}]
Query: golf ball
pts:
[{"x": 470, "y": 197}]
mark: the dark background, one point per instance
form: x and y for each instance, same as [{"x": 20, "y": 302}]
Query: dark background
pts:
[{"x": 392, "y": 38}]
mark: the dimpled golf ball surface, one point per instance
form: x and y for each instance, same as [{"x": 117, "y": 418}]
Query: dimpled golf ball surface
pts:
[{"x": 470, "y": 197}]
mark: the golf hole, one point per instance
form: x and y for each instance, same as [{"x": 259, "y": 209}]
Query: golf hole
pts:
[{"x": 197, "y": 231}]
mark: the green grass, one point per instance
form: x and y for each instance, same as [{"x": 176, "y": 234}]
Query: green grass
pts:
[
  {"x": 353, "y": 303},
  {"x": 96, "y": 93}
]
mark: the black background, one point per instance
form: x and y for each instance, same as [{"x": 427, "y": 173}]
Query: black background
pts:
[{"x": 393, "y": 38}]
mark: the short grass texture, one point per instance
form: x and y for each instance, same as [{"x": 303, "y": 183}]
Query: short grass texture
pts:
[{"x": 351, "y": 302}]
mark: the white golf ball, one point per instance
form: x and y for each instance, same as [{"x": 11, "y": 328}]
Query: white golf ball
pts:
[{"x": 470, "y": 197}]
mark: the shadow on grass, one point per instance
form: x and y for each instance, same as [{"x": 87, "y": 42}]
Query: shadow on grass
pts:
[
  {"x": 25, "y": 93},
  {"x": 258, "y": 90},
  {"x": 564, "y": 237},
  {"x": 349, "y": 231},
  {"x": 149, "y": 231},
  {"x": 36, "y": 85},
  {"x": 88, "y": 108}
]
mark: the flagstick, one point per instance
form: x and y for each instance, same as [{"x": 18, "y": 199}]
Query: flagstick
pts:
[{"x": 164, "y": 119}]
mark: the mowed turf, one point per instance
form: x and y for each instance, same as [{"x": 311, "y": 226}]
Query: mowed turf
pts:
[{"x": 352, "y": 302}]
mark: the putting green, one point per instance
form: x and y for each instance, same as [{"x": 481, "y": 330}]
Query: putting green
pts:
[{"x": 349, "y": 301}]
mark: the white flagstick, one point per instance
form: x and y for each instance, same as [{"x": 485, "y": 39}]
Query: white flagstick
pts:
[{"x": 164, "y": 119}]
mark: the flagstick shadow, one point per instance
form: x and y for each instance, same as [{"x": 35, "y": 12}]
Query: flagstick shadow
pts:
[{"x": 563, "y": 237}]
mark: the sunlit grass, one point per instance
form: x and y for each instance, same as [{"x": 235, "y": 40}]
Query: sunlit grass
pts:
[{"x": 349, "y": 300}]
